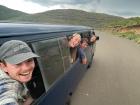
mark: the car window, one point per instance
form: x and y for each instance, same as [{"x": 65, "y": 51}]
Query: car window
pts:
[
  {"x": 50, "y": 61},
  {"x": 63, "y": 42}
]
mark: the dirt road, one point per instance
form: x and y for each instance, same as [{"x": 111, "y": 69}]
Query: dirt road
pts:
[{"x": 114, "y": 78}]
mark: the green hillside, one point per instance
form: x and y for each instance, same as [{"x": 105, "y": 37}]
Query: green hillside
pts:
[
  {"x": 8, "y": 14},
  {"x": 126, "y": 22},
  {"x": 128, "y": 28},
  {"x": 60, "y": 16},
  {"x": 70, "y": 16}
]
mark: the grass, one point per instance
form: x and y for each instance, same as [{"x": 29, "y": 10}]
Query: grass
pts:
[{"x": 130, "y": 36}]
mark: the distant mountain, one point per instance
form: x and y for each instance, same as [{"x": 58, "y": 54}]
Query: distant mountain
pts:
[
  {"x": 9, "y": 14},
  {"x": 70, "y": 16},
  {"x": 60, "y": 16}
]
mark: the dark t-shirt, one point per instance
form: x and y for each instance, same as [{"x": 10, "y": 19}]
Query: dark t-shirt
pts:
[{"x": 81, "y": 53}]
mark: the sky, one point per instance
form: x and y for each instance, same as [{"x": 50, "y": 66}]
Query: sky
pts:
[{"x": 123, "y": 8}]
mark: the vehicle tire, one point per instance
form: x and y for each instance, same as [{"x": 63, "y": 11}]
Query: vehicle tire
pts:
[{"x": 68, "y": 102}]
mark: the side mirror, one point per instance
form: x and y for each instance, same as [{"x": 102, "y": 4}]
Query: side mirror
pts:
[{"x": 97, "y": 37}]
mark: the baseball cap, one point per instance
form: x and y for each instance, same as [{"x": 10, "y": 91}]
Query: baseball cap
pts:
[{"x": 15, "y": 52}]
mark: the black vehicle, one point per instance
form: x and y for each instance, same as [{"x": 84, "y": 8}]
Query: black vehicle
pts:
[{"x": 55, "y": 77}]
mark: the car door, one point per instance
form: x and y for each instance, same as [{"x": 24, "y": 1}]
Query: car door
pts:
[{"x": 62, "y": 88}]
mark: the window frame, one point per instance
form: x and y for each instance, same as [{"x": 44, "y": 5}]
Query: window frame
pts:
[{"x": 45, "y": 81}]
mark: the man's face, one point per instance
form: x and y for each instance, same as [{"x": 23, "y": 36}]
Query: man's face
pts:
[
  {"x": 93, "y": 38},
  {"x": 75, "y": 41},
  {"x": 84, "y": 44},
  {"x": 21, "y": 72}
]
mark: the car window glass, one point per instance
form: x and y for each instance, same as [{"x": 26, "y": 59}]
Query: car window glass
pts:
[
  {"x": 63, "y": 42},
  {"x": 50, "y": 60}
]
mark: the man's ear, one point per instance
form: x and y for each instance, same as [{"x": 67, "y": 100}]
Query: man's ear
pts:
[{"x": 3, "y": 67}]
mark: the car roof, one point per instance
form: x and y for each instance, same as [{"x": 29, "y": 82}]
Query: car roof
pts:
[{"x": 30, "y": 30}]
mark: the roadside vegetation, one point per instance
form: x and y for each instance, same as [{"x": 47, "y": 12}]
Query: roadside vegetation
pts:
[
  {"x": 126, "y": 22},
  {"x": 127, "y": 28},
  {"x": 130, "y": 36}
]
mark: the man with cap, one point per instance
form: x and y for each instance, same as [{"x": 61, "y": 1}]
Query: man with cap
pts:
[{"x": 16, "y": 68}]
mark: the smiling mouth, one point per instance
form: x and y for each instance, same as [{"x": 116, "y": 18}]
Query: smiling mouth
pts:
[{"x": 25, "y": 74}]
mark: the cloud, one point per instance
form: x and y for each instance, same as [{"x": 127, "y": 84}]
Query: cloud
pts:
[
  {"x": 112, "y": 7},
  {"x": 124, "y": 8},
  {"x": 117, "y": 7},
  {"x": 62, "y": 2},
  {"x": 21, "y": 5},
  {"x": 126, "y": 13},
  {"x": 86, "y": 5}
]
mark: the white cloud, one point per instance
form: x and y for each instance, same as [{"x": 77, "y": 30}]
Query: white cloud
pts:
[
  {"x": 24, "y": 6},
  {"x": 100, "y": 6},
  {"x": 29, "y": 6}
]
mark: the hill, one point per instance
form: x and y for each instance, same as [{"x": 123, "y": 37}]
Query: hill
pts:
[
  {"x": 126, "y": 25},
  {"x": 60, "y": 16},
  {"x": 9, "y": 14},
  {"x": 126, "y": 22},
  {"x": 70, "y": 16}
]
